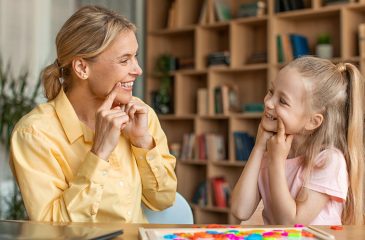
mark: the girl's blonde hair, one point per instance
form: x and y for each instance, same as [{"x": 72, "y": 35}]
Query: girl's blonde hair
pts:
[
  {"x": 337, "y": 92},
  {"x": 86, "y": 34}
]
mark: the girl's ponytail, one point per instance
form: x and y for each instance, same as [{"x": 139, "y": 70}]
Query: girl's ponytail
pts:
[
  {"x": 354, "y": 210},
  {"x": 51, "y": 76}
]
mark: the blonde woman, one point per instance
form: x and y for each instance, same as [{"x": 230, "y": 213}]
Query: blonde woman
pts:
[
  {"x": 93, "y": 152},
  {"x": 307, "y": 165}
]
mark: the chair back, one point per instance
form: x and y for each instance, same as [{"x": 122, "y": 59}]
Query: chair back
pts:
[{"x": 179, "y": 213}]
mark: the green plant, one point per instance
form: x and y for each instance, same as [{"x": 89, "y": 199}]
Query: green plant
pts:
[
  {"x": 162, "y": 100},
  {"x": 324, "y": 38},
  {"x": 15, "y": 102}
]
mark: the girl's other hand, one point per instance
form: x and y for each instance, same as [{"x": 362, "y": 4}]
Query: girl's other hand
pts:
[
  {"x": 108, "y": 124},
  {"x": 137, "y": 128},
  {"x": 262, "y": 137},
  {"x": 278, "y": 146}
]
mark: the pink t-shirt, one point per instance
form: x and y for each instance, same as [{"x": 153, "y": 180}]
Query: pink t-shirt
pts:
[{"x": 329, "y": 176}]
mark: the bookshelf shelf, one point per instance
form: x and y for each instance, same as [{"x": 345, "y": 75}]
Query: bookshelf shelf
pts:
[{"x": 177, "y": 28}]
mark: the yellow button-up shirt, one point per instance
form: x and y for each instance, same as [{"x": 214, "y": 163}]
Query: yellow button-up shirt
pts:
[{"x": 61, "y": 180}]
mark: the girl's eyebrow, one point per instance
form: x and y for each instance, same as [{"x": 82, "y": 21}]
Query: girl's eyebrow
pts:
[{"x": 286, "y": 96}]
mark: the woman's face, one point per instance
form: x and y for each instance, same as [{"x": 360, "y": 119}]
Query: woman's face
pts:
[{"x": 118, "y": 63}]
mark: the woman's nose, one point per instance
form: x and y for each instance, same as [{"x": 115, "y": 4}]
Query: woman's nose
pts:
[{"x": 137, "y": 70}]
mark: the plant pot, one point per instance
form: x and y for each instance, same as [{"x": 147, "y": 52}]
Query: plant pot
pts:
[{"x": 324, "y": 50}]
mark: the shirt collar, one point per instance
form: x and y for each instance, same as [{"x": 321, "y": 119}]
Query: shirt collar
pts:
[{"x": 70, "y": 122}]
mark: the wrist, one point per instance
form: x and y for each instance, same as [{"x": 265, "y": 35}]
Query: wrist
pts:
[
  {"x": 145, "y": 142},
  {"x": 100, "y": 154}
]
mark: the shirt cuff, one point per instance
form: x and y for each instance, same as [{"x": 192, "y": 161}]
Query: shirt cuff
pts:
[
  {"x": 148, "y": 159},
  {"x": 94, "y": 168}
]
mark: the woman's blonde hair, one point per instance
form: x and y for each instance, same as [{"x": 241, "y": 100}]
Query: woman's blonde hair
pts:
[
  {"x": 86, "y": 34},
  {"x": 337, "y": 92}
]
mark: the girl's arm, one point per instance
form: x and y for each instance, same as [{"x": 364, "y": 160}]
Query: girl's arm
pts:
[
  {"x": 245, "y": 195},
  {"x": 287, "y": 210}
]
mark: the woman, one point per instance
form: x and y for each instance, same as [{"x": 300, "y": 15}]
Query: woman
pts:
[{"x": 93, "y": 152}]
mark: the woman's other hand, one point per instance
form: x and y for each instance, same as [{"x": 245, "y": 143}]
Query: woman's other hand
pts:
[{"x": 137, "y": 128}]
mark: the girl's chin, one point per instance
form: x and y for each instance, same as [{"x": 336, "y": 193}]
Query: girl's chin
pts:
[{"x": 269, "y": 126}]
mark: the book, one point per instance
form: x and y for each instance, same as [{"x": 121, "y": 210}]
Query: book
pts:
[
  {"x": 299, "y": 45},
  {"x": 362, "y": 40},
  {"x": 172, "y": 19},
  {"x": 202, "y": 103},
  {"x": 223, "y": 10},
  {"x": 256, "y": 8},
  {"x": 203, "y": 18},
  {"x": 287, "y": 48},
  {"x": 279, "y": 46}
]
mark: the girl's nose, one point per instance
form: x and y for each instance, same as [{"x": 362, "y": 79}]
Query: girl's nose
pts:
[{"x": 269, "y": 102}]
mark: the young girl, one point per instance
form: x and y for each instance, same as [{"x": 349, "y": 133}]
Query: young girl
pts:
[{"x": 307, "y": 163}]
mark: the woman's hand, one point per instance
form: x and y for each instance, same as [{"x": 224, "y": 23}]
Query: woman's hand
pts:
[
  {"x": 278, "y": 146},
  {"x": 137, "y": 128},
  {"x": 109, "y": 122}
]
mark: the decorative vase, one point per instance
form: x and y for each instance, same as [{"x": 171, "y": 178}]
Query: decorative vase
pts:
[{"x": 324, "y": 50}]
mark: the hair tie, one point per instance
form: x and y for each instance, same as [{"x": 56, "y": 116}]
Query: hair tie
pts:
[
  {"x": 60, "y": 70},
  {"x": 341, "y": 67}
]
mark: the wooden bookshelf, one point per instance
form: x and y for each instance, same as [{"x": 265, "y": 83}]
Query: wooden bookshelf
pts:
[{"x": 241, "y": 37}]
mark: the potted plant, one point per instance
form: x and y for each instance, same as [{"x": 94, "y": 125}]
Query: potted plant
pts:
[
  {"x": 162, "y": 99},
  {"x": 15, "y": 102},
  {"x": 324, "y": 48}
]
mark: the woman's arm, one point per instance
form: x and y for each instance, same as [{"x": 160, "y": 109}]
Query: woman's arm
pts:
[
  {"x": 38, "y": 167},
  {"x": 156, "y": 167}
]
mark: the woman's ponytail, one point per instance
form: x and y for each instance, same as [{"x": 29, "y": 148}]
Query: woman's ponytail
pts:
[{"x": 51, "y": 76}]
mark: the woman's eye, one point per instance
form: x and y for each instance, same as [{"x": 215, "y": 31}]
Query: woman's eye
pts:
[
  {"x": 282, "y": 101},
  {"x": 124, "y": 61},
  {"x": 270, "y": 92}
]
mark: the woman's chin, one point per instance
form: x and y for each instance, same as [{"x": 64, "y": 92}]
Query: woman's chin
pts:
[{"x": 123, "y": 99}]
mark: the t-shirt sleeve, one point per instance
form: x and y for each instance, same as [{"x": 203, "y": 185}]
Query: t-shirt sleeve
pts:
[{"x": 329, "y": 175}]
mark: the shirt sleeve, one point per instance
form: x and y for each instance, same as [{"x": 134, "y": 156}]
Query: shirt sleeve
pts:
[
  {"x": 329, "y": 175},
  {"x": 156, "y": 167},
  {"x": 47, "y": 195}
]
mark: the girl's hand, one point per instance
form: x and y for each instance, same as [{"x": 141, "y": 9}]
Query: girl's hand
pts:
[
  {"x": 262, "y": 137},
  {"x": 108, "y": 124},
  {"x": 279, "y": 145},
  {"x": 137, "y": 128}
]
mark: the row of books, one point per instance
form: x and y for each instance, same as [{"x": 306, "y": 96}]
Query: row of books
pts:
[
  {"x": 220, "y": 193},
  {"x": 203, "y": 146},
  {"x": 291, "y": 46},
  {"x": 288, "y": 5},
  {"x": 221, "y": 10},
  {"x": 226, "y": 99}
]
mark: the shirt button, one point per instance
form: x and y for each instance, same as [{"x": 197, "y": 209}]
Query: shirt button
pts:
[
  {"x": 129, "y": 213},
  {"x": 105, "y": 173},
  {"x": 149, "y": 158},
  {"x": 94, "y": 208},
  {"x": 140, "y": 157},
  {"x": 121, "y": 183}
]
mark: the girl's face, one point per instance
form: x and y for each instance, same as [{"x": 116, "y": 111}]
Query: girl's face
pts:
[
  {"x": 118, "y": 63},
  {"x": 286, "y": 99}
]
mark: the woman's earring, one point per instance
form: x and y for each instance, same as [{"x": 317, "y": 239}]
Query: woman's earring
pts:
[{"x": 84, "y": 76}]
